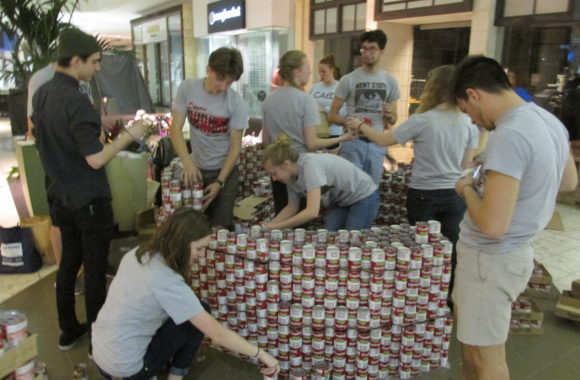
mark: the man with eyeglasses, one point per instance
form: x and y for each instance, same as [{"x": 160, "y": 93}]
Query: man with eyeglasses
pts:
[{"x": 371, "y": 95}]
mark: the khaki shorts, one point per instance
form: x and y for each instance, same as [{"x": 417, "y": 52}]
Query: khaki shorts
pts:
[{"x": 486, "y": 284}]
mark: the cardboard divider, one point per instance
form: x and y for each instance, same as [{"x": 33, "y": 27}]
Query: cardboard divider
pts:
[{"x": 16, "y": 357}]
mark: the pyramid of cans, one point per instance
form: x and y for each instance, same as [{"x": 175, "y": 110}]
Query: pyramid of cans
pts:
[
  {"x": 175, "y": 194},
  {"x": 251, "y": 170},
  {"x": 393, "y": 193},
  {"x": 348, "y": 305}
]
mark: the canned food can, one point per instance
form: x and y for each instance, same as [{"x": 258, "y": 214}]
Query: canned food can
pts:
[{"x": 15, "y": 327}]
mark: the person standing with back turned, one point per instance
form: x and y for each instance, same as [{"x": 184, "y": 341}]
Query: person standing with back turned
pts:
[
  {"x": 527, "y": 162},
  {"x": 69, "y": 139},
  {"x": 371, "y": 95}
]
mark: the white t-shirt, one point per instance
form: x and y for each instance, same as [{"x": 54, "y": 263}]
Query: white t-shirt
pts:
[
  {"x": 440, "y": 137},
  {"x": 211, "y": 118},
  {"x": 365, "y": 93},
  {"x": 531, "y": 145},
  {"x": 141, "y": 298},
  {"x": 323, "y": 95}
]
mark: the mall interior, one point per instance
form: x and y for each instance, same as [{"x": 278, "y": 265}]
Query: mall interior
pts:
[{"x": 160, "y": 43}]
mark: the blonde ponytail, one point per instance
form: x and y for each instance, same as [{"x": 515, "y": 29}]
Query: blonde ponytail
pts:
[
  {"x": 290, "y": 61},
  {"x": 279, "y": 151}
]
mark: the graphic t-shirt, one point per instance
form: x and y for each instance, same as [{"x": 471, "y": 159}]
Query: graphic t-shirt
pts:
[
  {"x": 324, "y": 95},
  {"x": 210, "y": 117},
  {"x": 365, "y": 93}
]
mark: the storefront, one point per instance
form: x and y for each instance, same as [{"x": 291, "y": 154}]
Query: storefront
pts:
[
  {"x": 159, "y": 46},
  {"x": 260, "y": 29},
  {"x": 542, "y": 40}
]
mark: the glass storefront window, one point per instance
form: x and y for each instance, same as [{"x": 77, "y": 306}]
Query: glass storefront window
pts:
[
  {"x": 336, "y": 16},
  {"x": 176, "y": 52},
  {"x": 331, "y": 20},
  {"x": 348, "y": 14},
  {"x": 361, "y": 16},
  {"x": 552, "y": 6}
]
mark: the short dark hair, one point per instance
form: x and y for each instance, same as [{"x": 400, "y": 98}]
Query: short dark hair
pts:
[
  {"x": 65, "y": 62},
  {"x": 479, "y": 72},
  {"x": 174, "y": 237},
  {"x": 377, "y": 36},
  {"x": 227, "y": 62}
]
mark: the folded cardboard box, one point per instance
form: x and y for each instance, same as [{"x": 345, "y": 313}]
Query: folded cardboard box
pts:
[
  {"x": 19, "y": 355},
  {"x": 538, "y": 290},
  {"x": 568, "y": 307},
  {"x": 576, "y": 289},
  {"x": 526, "y": 309},
  {"x": 540, "y": 275}
]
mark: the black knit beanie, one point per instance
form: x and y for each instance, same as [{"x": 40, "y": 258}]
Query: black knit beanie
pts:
[{"x": 73, "y": 42}]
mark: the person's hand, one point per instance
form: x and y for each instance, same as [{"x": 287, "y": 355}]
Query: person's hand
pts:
[
  {"x": 352, "y": 123},
  {"x": 462, "y": 183},
  {"x": 140, "y": 127},
  {"x": 349, "y": 134},
  {"x": 190, "y": 174},
  {"x": 388, "y": 111},
  {"x": 272, "y": 366},
  {"x": 211, "y": 191}
]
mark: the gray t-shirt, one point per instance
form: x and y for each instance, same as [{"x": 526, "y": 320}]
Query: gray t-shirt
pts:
[
  {"x": 211, "y": 117},
  {"x": 36, "y": 80},
  {"x": 44, "y": 75},
  {"x": 341, "y": 182},
  {"x": 531, "y": 145},
  {"x": 141, "y": 298},
  {"x": 323, "y": 95},
  {"x": 365, "y": 93},
  {"x": 440, "y": 137},
  {"x": 288, "y": 110}
]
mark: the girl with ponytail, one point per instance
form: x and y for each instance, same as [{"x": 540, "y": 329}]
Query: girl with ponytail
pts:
[
  {"x": 291, "y": 111},
  {"x": 348, "y": 194},
  {"x": 323, "y": 93}
]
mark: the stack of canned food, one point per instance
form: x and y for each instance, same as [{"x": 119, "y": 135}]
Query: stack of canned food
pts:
[
  {"x": 13, "y": 331},
  {"x": 347, "y": 305},
  {"x": 175, "y": 194},
  {"x": 393, "y": 191},
  {"x": 251, "y": 170}
]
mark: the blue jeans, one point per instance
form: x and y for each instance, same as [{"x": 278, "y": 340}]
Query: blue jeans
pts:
[
  {"x": 171, "y": 341},
  {"x": 443, "y": 205},
  {"x": 365, "y": 155},
  {"x": 86, "y": 234},
  {"x": 357, "y": 216}
]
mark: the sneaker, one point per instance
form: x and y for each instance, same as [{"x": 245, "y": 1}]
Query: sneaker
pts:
[{"x": 67, "y": 340}]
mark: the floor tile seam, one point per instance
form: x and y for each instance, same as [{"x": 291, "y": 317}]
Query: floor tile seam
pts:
[{"x": 547, "y": 365}]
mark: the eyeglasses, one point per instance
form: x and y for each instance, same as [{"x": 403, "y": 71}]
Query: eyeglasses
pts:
[{"x": 372, "y": 49}]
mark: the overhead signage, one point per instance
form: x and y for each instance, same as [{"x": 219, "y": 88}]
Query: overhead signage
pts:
[
  {"x": 154, "y": 31},
  {"x": 226, "y": 15}
]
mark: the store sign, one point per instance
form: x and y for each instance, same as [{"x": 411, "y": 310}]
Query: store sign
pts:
[
  {"x": 226, "y": 15},
  {"x": 154, "y": 31}
]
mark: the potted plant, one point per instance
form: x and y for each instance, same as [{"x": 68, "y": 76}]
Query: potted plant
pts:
[{"x": 33, "y": 26}]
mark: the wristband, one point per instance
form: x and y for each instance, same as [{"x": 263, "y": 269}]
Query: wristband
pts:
[
  {"x": 217, "y": 180},
  {"x": 257, "y": 353},
  {"x": 360, "y": 125}
]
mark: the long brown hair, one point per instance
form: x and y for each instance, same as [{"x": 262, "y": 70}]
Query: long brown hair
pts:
[
  {"x": 173, "y": 239},
  {"x": 330, "y": 62},
  {"x": 436, "y": 91},
  {"x": 290, "y": 61},
  {"x": 279, "y": 151}
]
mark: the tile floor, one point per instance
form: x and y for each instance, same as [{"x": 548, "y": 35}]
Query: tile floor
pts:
[{"x": 551, "y": 356}]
